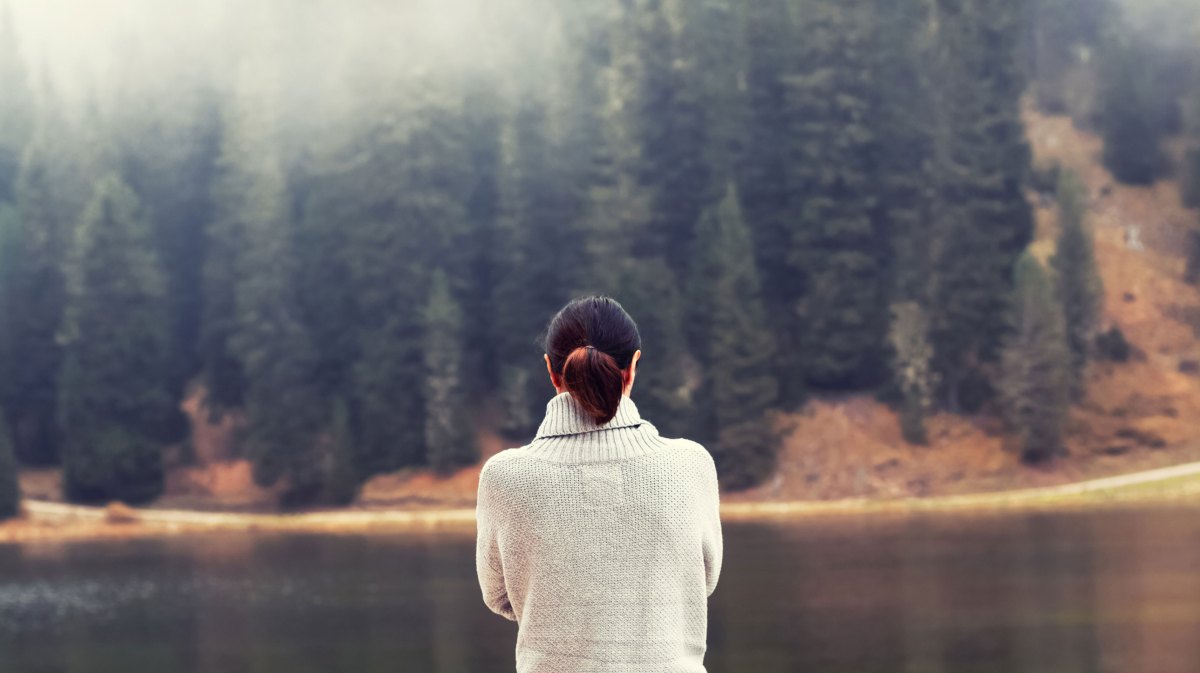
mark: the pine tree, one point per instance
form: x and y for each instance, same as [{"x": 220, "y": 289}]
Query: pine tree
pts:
[
  {"x": 836, "y": 243},
  {"x": 167, "y": 149},
  {"x": 1080, "y": 291},
  {"x": 712, "y": 50},
  {"x": 10, "y": 484},
  {"x": 35, "y": 295},
  {"x": 10, "y": 491},
  {"x": 260, "y": 339},
  {"x": 671, "y": 135},
  {"x": 409, "y": 212},
  {"x": 1190, "y": 174},
  {"x": 543, "y": 239},
  {"x": 737, "y": 351},
  {"x": 901, "y": 120},
  {"x": 763, "y": 181},
  {"x": 449, "y": 437},
  {"x": 1035, "y": 380},
  {"x": 115, "y": 403},
  {"x": 1129, "y": 113},
  {"x": 981, "y": 219},
  {"x": 341, "y": 476}
]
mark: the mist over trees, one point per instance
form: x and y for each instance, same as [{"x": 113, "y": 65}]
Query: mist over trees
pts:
[{"x": 350, "y": 222}]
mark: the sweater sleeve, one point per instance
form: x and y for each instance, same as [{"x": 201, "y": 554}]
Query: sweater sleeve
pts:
[
  {"x": 487, "y": 551},
  {"x": 712, "y": 539}
]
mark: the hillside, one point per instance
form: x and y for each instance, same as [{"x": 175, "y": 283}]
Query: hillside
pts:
[{"x": 1138, "y": 415}]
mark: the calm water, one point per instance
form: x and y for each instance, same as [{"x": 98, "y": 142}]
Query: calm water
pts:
[{"x": 1064, "y": 593}]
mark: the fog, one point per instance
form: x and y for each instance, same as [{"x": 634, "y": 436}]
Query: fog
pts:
[{"x": 85, "y": 48}]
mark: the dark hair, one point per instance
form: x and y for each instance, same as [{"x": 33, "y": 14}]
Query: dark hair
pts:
[{"x": 590, "y": 341}]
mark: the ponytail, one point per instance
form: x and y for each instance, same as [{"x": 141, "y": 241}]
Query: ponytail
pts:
[{"x": 595, "y": 381}]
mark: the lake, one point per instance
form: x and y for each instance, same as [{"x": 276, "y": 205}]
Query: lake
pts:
[{"x": 1096, "y": 592}]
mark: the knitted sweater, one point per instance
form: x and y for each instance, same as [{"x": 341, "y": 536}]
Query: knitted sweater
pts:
[{"x": 602, "y": 542}]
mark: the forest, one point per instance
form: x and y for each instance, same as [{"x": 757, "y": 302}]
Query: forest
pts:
[{"x": 348, "y": 222}]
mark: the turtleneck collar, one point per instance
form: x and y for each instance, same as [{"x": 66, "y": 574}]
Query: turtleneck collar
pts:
[{"x": 565, "y": 416}]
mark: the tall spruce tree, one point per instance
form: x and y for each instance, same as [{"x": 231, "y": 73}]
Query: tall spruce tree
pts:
[
  {"x": 1035, "y": 380},
  {"x": 412, "y": 192},
  {"x": 1190, "y": 173},
  {"x": 262, "y": 340},
  {"x": 981, "y": 219},
  {"x": 167, "y": 149},
  {"x": 114, "y": 383},
  {"x": 1129, "y": 112},
  {"x": 736, "y": 352},
  {"x": 901, "y": 118},
  {"x": 10, "y": 491},
  {"x": 836, "y": 242},
  {"x": 544, "y": 241},
  {"x": 10, "y": 483},
  {"x": 35, "y": 295},
  {"x": 1080, "y": 291},
  {"x": 763, "y": 181},
  {"x": 671, "y": 135},
  {"x": 449, "y": 429}
]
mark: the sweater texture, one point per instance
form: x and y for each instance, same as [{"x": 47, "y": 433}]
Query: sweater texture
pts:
[{"x": 603, "y": 543}]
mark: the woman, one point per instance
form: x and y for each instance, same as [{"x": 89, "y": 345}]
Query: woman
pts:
[{"x": 600, "y": 538}]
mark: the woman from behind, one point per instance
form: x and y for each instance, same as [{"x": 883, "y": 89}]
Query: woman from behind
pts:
[{"x": 600, "y": 538}]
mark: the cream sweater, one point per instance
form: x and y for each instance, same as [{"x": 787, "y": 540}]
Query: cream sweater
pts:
[{"x": 602, "y": 542}]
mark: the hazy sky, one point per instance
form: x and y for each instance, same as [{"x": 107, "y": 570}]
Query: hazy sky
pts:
[{"x": 92, "y": 43}]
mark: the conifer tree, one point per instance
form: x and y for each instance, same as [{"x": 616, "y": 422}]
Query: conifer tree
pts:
[
  {"x": 449, "y": 436},
  {"x": 1129, "y": 113},
  {"x": 1190, "y": 173},
  {"x": 167, "y": 150},
  {"x": 35, "y": 294},
  {"x": 341, "y": 479},
  {"x": 544, "y": 242},
  {"x": 1080, "y": 291},
  {"x": 261, "y": 341},
  {"x": 737, "y": 352},
  {"x": 482, "y": 123},
  {"x": 1035, "y": 379},
  {"x": 713, "y": 54},
  {"x": 901, "y": 120},
  {"x": 981, "y": 219},
  {"x": 836, "y": 243},
  {"x": 409, "y": 212},
  {"x": 10, "y": 485},
  {"x": 671, "y": 135},
  {"x": 115, "y": 403},
  {"x": 763, "y": 180},
  {"x": 10, "y": 495}
]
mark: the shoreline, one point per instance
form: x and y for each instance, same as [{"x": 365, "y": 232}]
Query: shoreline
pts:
[{"x": 51, "y": 521}]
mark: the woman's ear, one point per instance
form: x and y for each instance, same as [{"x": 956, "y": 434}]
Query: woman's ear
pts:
[
  {"x": 632, "y": 370},
  {"x": 553, "y": 377}
]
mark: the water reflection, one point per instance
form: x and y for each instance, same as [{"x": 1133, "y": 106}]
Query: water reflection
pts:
[{"x": 1033, "y": 593}]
